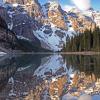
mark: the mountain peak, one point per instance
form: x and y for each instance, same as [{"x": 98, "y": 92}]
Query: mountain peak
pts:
[
  {"x": 54, "y": 4},
  {"x": 52, "y": 1},
  {"x": 91, "y": 9}
]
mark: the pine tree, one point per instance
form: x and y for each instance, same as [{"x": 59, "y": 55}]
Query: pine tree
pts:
[{"x": 87, "y": 41}]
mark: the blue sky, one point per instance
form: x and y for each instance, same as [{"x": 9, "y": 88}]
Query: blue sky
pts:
[{"x": 95, "y": 3}]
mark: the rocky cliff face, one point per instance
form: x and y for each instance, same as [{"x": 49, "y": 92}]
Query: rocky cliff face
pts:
[
  {"x": 16, "y": 33},
  {"x": 55, "y": 15},
  {"x": 80, "y": 22},
  {"x": 33, "y": 7},
  {"x": 52, "y": 34},
  {"x": 8, "y": 40}
]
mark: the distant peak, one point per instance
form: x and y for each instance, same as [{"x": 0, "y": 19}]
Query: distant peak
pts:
[
  {"x": 91, "y": 9},
  {"x": 53, "y": 1}
]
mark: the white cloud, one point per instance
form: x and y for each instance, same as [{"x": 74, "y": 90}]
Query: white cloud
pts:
[
  {"x": 67, "y": 7},
  {"x": 82, "y": 4}
]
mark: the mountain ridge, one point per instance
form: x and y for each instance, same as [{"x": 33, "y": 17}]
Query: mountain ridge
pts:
[{"x": 49, "y": 23}]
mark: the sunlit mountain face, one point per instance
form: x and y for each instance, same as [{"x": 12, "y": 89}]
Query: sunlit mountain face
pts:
[{"x": 39, "y": 77}]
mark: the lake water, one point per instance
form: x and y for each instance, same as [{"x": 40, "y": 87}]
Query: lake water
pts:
[{"x": 49, "y": 77}]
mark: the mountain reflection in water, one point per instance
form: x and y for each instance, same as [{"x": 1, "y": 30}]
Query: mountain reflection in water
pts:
[{"x": 49, "y": 77}]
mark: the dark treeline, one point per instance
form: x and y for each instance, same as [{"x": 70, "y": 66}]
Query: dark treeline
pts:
[{"x": 87, "y": 41}]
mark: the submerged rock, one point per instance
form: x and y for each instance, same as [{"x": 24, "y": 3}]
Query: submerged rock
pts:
[{"x": 85, "y": 97}]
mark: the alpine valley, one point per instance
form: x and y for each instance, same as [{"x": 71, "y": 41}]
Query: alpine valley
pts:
[{"x": 27, "y": 25}]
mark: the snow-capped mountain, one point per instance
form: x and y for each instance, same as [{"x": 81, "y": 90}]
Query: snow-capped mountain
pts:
[
  {"x": 95, "y": 15},
  {"x": 91, "y": 13},
  {"x": 49, "y": 22}
]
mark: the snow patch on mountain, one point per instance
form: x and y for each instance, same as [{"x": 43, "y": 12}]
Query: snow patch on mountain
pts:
[
  {"x": 2, "y": 53},
  {"x": 94, "y": 15},
  {"x": 49, "y": 35},
  {"x": 53, "y": 4},
  {"x": 71, "y": 32}
]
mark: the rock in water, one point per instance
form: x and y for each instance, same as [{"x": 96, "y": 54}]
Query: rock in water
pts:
[
  {"x": 69, "y": 97},
  {"x": 85, "y": 97}
]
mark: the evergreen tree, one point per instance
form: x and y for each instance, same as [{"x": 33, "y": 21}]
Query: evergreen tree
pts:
[{"x": 87, "y": 41}]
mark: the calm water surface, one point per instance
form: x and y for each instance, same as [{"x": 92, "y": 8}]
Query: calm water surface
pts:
[{"x": 49, "y": 77}]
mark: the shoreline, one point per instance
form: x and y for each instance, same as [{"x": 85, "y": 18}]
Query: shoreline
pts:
[
  {"x": 81, "y": 53},
  {"x": 63, "y": 53}
]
